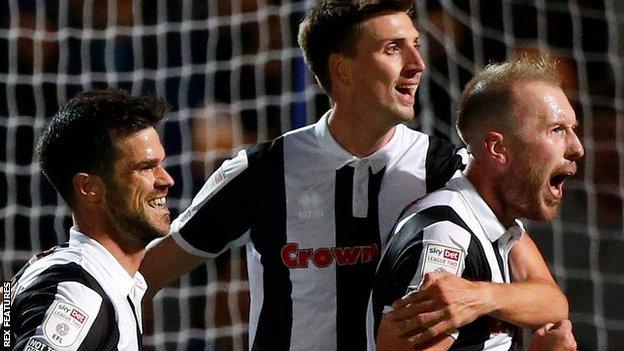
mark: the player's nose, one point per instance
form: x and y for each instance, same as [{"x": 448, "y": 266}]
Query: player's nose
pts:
[
  {"x": 414, "y": 62},
  {"x": 163, "y": 178},
  {"x": 575, "y": 148}
]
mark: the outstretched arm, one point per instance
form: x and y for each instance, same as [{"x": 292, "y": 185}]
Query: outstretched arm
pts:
[
  {"x": 446, "y": 302},
  {"x": 534, "y": 298},
  {"x": 164, "y": 263}
]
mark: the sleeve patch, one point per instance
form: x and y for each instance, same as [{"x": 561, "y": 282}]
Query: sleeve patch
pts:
[
  {"x": 442, "y": 258},
  {"x": 64, "y": 324}
]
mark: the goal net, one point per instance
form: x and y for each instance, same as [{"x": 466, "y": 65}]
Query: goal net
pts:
[{"x": 234, "y": 76}]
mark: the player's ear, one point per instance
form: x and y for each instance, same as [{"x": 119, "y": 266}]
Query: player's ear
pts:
[
  {"x": 495, "y": 147},
  {"x": 340, "y": 68},
  {"x": 88, "y": 187}
]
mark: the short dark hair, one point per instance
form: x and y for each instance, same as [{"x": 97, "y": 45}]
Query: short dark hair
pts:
[
  {"x": 486, "y": 101},
  {"x": 81, "y": 137},
  {"x": 331, "y": 26}
]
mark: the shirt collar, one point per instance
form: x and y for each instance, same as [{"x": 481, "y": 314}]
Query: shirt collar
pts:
[
  {"x": 123, "y": 281},
  {"x": 492, "y": 227},
  {"x": 340, "y": 157}
]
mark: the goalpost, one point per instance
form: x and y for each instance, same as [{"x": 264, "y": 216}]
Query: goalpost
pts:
[{"x": 235, "y": 76}]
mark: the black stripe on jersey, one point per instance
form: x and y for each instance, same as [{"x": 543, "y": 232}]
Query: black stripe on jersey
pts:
[
  {"x": 30, "y": 305},
  {"x": 268, "y": 233},
  {"x": 354, "y": 282},
  {"x": 214, "y": 218},
  {"x": 400, "y": 261},
  {"x": 441, "y": 163},
  {"x": 136, "y": 320},
  {"x": 499, "y": 259}
]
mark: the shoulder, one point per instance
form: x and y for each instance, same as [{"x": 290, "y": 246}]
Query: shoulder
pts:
[
  {"x": 443, "y": 201},
  {"x": 47, "y": 263},
  {"x": 438, "y": 217},
  {"x": 274, "y": 148},
  {"x": 265, "y": 150},
  {"x": 62, "y": 277},
  {"x": 435, "y": 145},
  {"x": 60, "y": 306},
  {"x": 296, "y": 142}
]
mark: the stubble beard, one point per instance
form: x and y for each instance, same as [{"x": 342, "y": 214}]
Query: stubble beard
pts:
[
  {"x": 531, "y": 201},
  {"x": 133, "y": 223}
]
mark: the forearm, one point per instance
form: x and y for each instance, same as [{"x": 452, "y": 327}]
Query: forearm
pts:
[
  {"x": 533, "y": 298},
  {"x": 529, "y": 304},
  {"x": 164, "y": 263}
]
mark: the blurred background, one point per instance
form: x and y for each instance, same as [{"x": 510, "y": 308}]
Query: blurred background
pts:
[{"x": 234, "y": 76}]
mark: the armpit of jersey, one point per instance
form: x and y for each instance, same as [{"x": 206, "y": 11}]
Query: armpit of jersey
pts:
[{"x": 58, "y": 319}]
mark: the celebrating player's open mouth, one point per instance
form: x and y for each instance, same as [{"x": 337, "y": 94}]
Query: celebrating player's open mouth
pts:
[
  {"x": 159, "y": 203},
  {"x": 160, "y": 217},
  {"x": 557, "y": 180},
  {"x": 407, "y": 92}
]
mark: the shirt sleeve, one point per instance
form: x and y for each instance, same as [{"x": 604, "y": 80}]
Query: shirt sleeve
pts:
[
  {"x": 443, "y": 160},
  {"x": 232, "y": 201},
  {"x": 220, "y": 214},
  {"x": 63, "y": 316},
  {"x": 409, "y": 256},
  {"x": 419, "y": 246}
]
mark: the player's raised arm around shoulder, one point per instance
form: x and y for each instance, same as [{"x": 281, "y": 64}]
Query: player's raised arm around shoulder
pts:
[
  {"x": 164, "y": 263},
  {"x": 218, "y": 218},
  {"x": 534, "y": 298},
  {"x": 531, "y": 300}
]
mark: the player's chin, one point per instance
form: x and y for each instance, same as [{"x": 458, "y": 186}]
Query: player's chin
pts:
[
  {"x": 405, "y": 112},
  {"x": 164, "y": 226},
  {"x": 160, "y": 225},
  {"x": 548, "y": 211},
  {"x": 156, "y": 232}
]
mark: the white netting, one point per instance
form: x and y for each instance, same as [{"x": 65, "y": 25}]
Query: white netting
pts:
[{"x": 234, "y": 75}]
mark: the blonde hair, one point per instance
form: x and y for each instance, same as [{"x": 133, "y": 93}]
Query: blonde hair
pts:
[{"x": 486, "y": 100}]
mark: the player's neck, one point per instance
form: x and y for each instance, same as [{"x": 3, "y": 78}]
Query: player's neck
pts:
[
  {"x": 129, "y": 255},
  {"x": 358, "y": 135},
  {"x": 483, "y": 182}
]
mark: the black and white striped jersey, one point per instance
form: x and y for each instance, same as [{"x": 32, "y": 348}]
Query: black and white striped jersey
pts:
[
  {"x": 451, "y": 230},
  {"x": 314, "y": 219},
  {"x": 76, "y": 296}
]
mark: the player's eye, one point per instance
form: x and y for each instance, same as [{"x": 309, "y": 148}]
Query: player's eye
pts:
[
  {"x": 147, "y": 168},
  {"x": 392, "y": 48}
]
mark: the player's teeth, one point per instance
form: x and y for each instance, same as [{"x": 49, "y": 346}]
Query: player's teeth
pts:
[{"x": 158, "y": 202}]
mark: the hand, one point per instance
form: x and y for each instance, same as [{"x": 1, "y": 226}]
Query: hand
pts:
[
  {"x": 557, "y": 337},
  {"x": 443, "y": 303}
]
